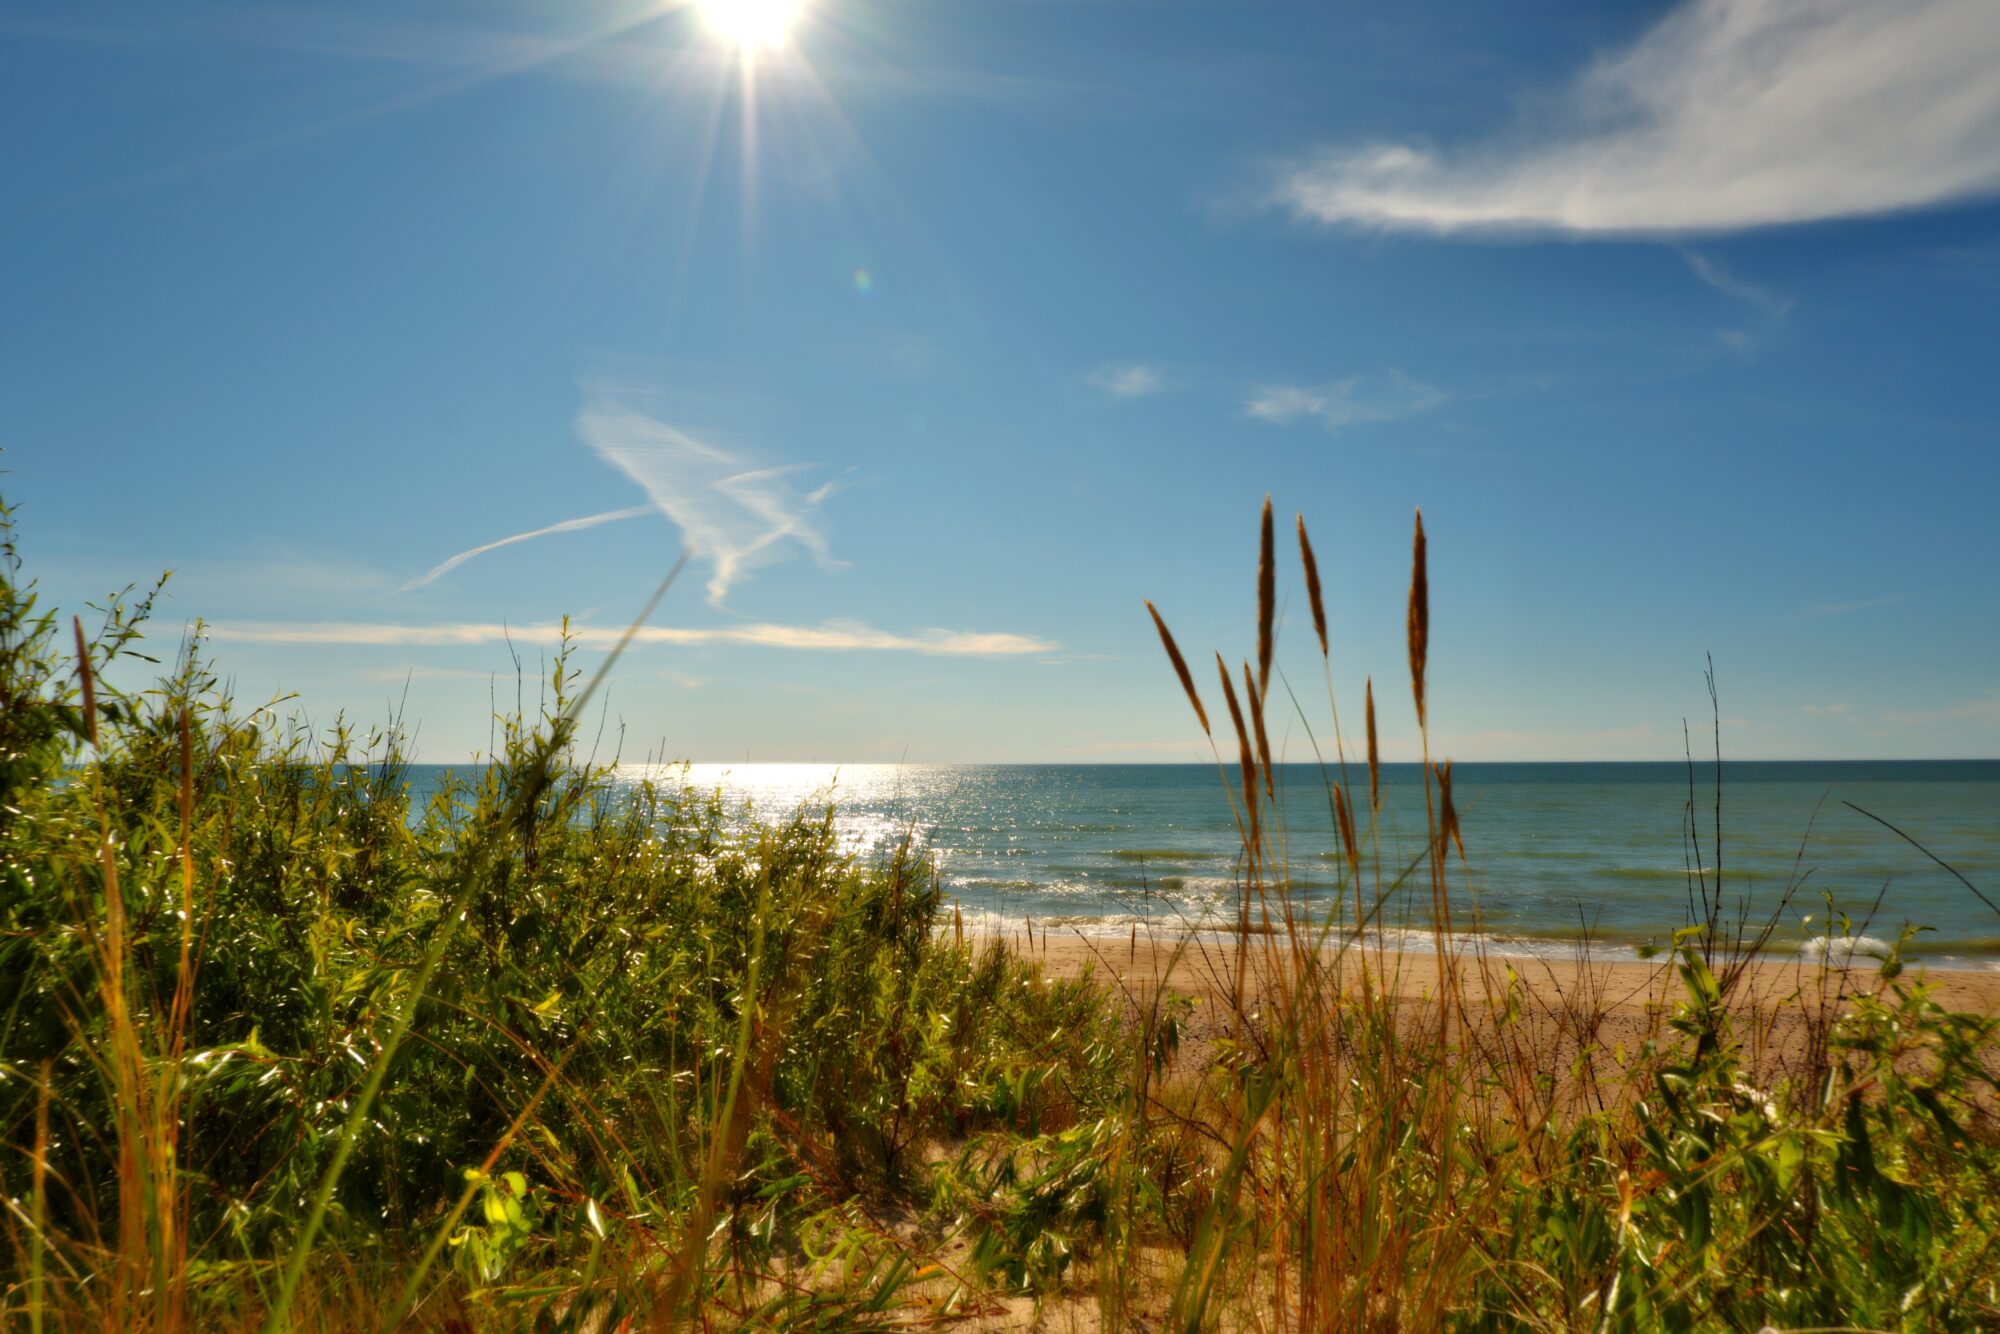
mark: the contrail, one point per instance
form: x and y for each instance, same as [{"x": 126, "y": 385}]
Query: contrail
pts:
[
  {"x": 566, "y": 526},
  {"x": 732, "y": 516}
]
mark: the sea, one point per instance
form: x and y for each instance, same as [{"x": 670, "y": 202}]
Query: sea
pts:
[{"x": 1603, "y": 859}]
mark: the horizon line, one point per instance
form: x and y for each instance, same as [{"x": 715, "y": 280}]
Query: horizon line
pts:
[{"x": 1699, "y": 764}]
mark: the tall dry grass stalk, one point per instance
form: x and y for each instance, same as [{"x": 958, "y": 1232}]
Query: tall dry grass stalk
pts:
[
  {"x": 1374, "y": 747},
  {"x": 1344, "y": 817},
  {"x": 1255, "y": 696},
  {"x": 1252, "y": 831},
  {"x": 1308, "y": 1177},
  {"x": 1246, "y": 757},
  {"x": 1313, "y": 598},
  {"x": 1180, "y": 667},
  {"x": 1316, "y": 601},
  {"x": 1419, "y": 622},
  {"x": 38, "y": 1220},
  {"x": 1267, "y": 599},
  {"x": 1448, "y": 811},
  {"x": 138, "y": 1059}
]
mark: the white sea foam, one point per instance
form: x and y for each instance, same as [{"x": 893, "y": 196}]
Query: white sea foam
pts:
[
  {"x": 1840, "y": 951},
  {"x": 1218, "y": 927}
]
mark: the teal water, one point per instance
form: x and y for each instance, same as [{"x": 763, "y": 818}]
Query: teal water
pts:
[{"x": 1559, "y": 853}]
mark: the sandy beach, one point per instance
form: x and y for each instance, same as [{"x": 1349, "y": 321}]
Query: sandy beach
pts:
[{"x": 1564, "y": 1004}]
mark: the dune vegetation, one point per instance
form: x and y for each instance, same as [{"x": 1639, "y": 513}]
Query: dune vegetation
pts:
[{"x": 281, "y": 1049}]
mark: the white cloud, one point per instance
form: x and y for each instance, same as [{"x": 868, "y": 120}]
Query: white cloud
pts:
[
  {"x": 1129, "y": 379},
  {"x": 1726, "y": 114},
  {"x": 830, "y": 636},
  {"x": 1981, "y": 713},
  {"x": 1345, "y": 402},
  {"x": 732, "y": 515}
]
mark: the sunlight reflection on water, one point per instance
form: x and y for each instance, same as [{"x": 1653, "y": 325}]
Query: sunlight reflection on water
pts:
[{"x": 1559, "y": 853}]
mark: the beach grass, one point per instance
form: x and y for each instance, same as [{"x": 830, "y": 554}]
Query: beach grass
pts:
[{"x": 554, "y": 1052}]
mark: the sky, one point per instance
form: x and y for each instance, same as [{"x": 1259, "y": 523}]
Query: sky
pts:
[{"x": 942, "y": 335}]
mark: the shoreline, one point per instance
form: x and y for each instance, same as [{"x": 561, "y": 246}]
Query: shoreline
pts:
[
  {"x": 1865, "y": 951},
  {"x": 1563, "y": 1010},
  {"x": 1201, "y": 963}
]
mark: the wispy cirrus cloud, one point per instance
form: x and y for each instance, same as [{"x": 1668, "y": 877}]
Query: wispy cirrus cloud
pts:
[
  {"x": 1345, "y": 402},
  {"x": 397, "y": 674},
  {"x": 1858, "y": 604},
  {"x": 1739, "y": 341},
  {"x": 831, "y": 636},
  {"x": 1127, "y": 379},
  {"x": 1981, "y": 712},
  {"x": 1726, "y": 114},
  {"x": 732, "y": 515},
  {"x": 1774, "y": 304},
  {"x": 1743, "y": 343}
]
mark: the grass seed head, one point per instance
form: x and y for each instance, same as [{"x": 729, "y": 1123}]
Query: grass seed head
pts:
[
  {"x": 1180, "y": 667},
  {"x": 1312, "y": 585},
  {"x": 1420, "y": 617},
  {"x": 1267, "y": 598},
  {"x": 1374, "y": 751},
  {"x": 87, "y": 680},
  {"x": 1344, "y": 816}
]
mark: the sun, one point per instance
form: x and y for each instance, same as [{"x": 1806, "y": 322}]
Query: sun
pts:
[{"x": 751, "y": 25}]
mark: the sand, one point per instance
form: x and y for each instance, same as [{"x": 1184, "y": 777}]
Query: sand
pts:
[{"x": 1567, "y": 1005}]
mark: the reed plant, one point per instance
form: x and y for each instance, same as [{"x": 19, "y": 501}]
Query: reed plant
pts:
[{"x": 1420, "y": 1139}]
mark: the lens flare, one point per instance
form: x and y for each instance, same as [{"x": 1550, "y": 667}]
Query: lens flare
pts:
[{"x": 864, "y": 282}]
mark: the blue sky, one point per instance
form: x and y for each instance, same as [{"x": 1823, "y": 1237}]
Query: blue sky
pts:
[{"x": 946, "y": 333}]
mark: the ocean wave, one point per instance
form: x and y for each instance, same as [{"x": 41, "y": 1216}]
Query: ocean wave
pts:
[
  {"x": 984, "y": 884},
  {"x": 1840, "y": 951},
  {"x": 1218, "y": 927},
  {"x": 1215, "y": 923}
]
